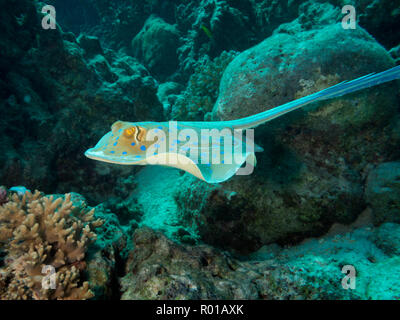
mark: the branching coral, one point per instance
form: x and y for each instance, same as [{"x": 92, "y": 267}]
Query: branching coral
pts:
[{"x": 38, "y": 231}]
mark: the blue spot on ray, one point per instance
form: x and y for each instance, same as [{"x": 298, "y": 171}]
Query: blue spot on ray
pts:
[{"x": 143, "y": 148}]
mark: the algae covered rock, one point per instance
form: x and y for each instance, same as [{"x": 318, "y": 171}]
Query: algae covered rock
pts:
[
  {"x": 387, "y": 238},
  {"x": 383, "y": 192},
  {"x": 197, "y": 101},
  {"x": 287, "y": 66},
  {"x": 315, "y": 161},
  {"x": 158, "y": 269},
  {"x": 65, "y": 97},
  {"x": 156, "y": 45},
  {"x": 248, "y": 212},
  {"x": 90, "y": 44},
  {"x": 168, "y": 93}
]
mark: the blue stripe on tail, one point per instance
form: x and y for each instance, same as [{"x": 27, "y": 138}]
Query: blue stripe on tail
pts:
[{"x": 337, "y": 90}]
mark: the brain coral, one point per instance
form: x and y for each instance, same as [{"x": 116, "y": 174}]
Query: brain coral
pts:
[{"x": 38, "y": 231}]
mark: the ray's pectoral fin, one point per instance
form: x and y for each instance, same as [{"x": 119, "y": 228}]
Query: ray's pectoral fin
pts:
[
  {"x": 242, "y": 164},
  {"x": 219, "y": 172},
  {"x": 216, "y": 173}
]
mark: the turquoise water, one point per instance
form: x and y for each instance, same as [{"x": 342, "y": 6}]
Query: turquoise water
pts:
[{"x": 310, "y": 211}]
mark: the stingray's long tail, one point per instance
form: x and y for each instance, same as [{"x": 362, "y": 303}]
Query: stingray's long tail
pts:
[{"x": 338, "y": 90}]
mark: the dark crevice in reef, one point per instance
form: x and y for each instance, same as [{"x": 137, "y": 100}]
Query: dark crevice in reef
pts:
[{"x": 119, "y": 272}]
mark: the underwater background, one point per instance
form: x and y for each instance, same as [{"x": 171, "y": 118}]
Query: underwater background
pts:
[{"x": 325, "y": 194}]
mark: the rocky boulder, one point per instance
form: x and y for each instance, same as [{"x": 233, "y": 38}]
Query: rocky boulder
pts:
[
  {"x": 382, "y": 192},
  {"x": 159, "y": 268},
  {"x": 312, "y": 171},
  {"x": 292, "y": 64},
  {"x": 156, "y": 45}
]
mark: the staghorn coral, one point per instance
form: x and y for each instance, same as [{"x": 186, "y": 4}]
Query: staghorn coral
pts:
[{"x": 35, "y": 231}]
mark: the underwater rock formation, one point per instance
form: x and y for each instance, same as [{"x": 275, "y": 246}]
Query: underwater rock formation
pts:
[
  {"x": 156, "y": 45},
  {"x": 315, "y": 160},
  {"x": 379, "y": 17},
  {"x": 320, "y": 262},
  {"x": 63, "y": 96},
  {"x": 38, "y": 231},
  {"x": 161, "y": 269},
  {"x": 208, "y": 26},
  {"x": 197, "y": 101},
  {"x": 323, "y": 166},
  {"x": 277, "y": 71},
  {"x": 158, "y": 268},
  {"x": 168, "y": 93},
  {"x": 382, "y": 192},
  {"x": 387, "y": 238},
  {"x": 247, "y": 212}
]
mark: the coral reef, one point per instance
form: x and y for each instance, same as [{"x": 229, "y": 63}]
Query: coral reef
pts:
[
  {"x": 160, "y": 269},
  {"x": 156, "y": 45},
  {"x": 378, "y": 17},
  {"x": 382, "y": 192},
  {"x": 312, "y": 171},
  {"x": 264, "y": 76},
  {"x": 197, "y": 101},
  {"x": 38, "y": 231},
  {"x": 65, "y": 92},
  {"x": 325, "y": 192}
]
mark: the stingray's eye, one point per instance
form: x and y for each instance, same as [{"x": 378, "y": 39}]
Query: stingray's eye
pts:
[
  {"x": 141, "y": 134},
  {"x": 129, "y": 133}
]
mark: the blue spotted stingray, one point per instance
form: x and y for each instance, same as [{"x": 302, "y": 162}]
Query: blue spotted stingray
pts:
[{"x": 173, "y": 144}]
